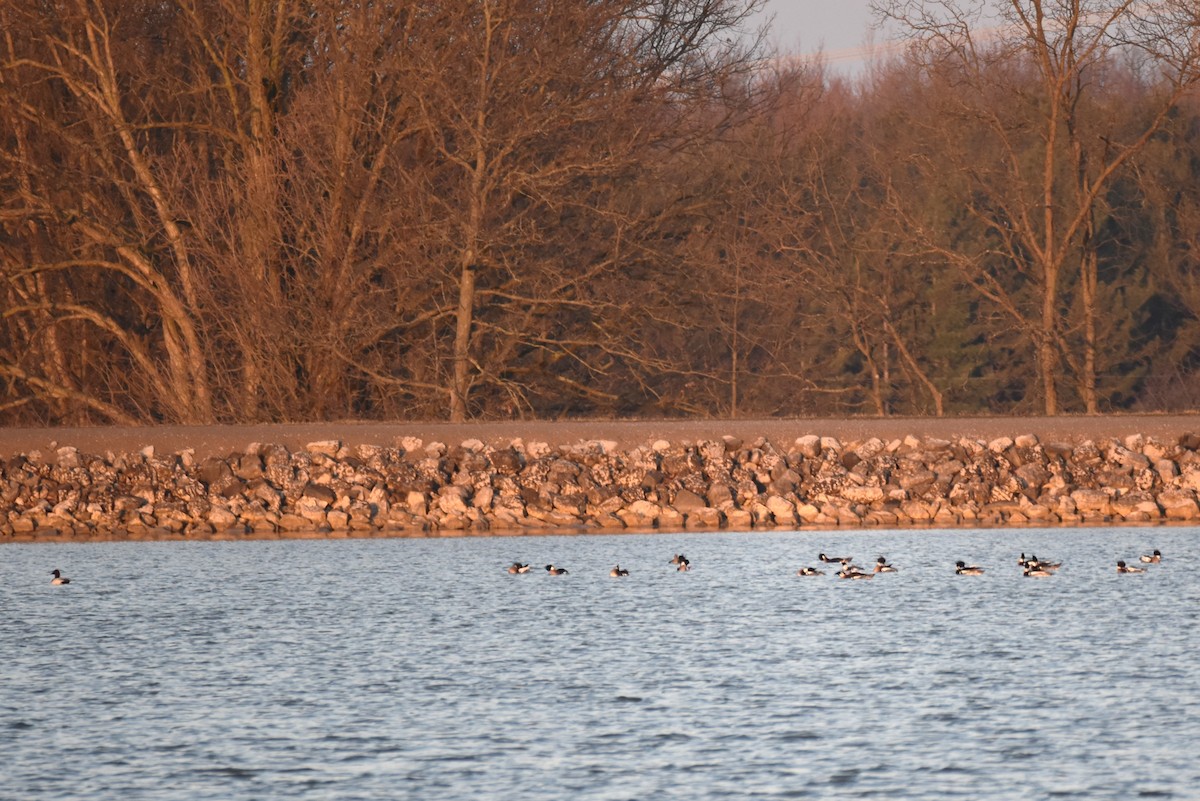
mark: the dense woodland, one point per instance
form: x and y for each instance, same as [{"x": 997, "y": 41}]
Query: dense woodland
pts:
[{"x": 282, "y": 210}]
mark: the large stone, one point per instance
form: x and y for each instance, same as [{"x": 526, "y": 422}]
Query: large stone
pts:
[
  {"x": 1034, "y": 476},
  {"x": 221, "y": 518},
  {"x": 574, "y": 504},
  {"x": 869, "y": 449},
  {"x": 507, "y": 461},
  {"x": 292, "y": 522},
  {"x": 67, "y": 457},
  {"x": 1167, "y": 470},
  {"x": 782, "y": 510},
  {"x": 640, "y": 514},
  {"x": 918, "y": 479},
  {"x": 670, "y": 518},
  {"x": 866, "y": 495},
  {"x": 720, "y": 495},
  {"x": 325, "y": 447},
  {"x": 918, "y": 511},
  {"x": 738, "y": 520},
  {"x": 809, "y": 446},
  {"x": 1136, "y": 505},
  {"x": 807, "y": 512},
  {"x": 1190, "y": 479},
  {"x": 452, "y": 499},
  {"x": 249, "y": 467},
  {"x": 417, "y": 504},
  {"x": 1092, "y": 501},
  {"x": 688, "y": 501},
  {"x": 1179, "y": 505},
  {"x": 319, "y": 492},
  {"x": 312, "y": 510},
  {"x": 1128, "y": 458},
  {"x": 705, "y": 517},
  {"x": 213, "y": 471}
]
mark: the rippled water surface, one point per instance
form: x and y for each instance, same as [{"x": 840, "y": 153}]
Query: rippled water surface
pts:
[{"x": 418, "y": 668}]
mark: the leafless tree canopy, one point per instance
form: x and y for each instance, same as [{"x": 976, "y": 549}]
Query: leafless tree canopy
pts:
[{"x": 269, "y": 210}]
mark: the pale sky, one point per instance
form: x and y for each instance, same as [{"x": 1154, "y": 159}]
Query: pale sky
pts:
[{"x": 842, "y": 28}]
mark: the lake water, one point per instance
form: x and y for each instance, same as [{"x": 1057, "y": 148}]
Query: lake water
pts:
[{"x": 418, "y": 668}]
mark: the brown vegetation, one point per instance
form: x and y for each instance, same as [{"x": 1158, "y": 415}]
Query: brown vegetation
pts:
[{"x": 268, "y": 210}]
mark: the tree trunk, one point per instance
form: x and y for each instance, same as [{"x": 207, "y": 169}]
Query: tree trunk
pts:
[{"x": 463, "y": 318}]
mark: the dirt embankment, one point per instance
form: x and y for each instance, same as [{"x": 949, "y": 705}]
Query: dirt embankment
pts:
[{"x": 221, "y": 440}]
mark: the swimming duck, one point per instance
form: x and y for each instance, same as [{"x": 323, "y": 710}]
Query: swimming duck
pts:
[
  {"x": 1034, "y": 570},
  {"x": 1151, "y": 559},
  {"x": 679, "y": 559},
  {"x": 684, "y": 566},
  {"x": 556, "y": 571},
  {"x": 59, "y": 578},
  {"x": 617, "y": 572},
  {"x": 854, "y": 574},
  {"x": 517, "y": 567},
  {"x": 963, "y": 569},
  {"x": 881, "y": 566},
  {"x": 1124, "y": 568},
  {"x": 809, "y": 571},
  {"x": 845, "y": 560}
]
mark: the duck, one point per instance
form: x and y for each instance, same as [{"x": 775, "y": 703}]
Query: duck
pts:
[
  {"x": 517, "y": 567},
  {"x": 1151, "y": 559},
  {"x": 1034, "y": 570},
  {"x": 845, "y": 560},
  {"x": 854, "y": 574},
  {"x": 882, "y": 566},
  {"x": 961, "y": 568},
  {"x": 809, "y": 571},
  {"x": 59, "y": 578},
  {"x": 679, "y": 559},
  {"x": 1124, "y": 568},
  {"x": 556, "y": 571},
  {"x": 683, "y": 567},
  {"x": 617, "y": 572}
]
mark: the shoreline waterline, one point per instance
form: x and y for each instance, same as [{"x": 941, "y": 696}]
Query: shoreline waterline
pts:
[{"x": 517, "y": 533}]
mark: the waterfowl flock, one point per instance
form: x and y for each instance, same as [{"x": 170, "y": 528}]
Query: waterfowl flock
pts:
[{"x": 1031, "y": 567}]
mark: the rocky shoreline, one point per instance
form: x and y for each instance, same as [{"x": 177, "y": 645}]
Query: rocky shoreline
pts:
[{"x": 417, "y": 488}]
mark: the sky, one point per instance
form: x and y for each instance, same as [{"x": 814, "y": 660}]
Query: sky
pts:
[{"x": 842, "y": 28}]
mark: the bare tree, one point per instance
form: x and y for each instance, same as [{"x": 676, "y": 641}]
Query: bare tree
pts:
[
  {"x": 93, "y": 186},
  {"x": 1026, "y": 71},
  {"x": 532, "y": 113}
]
